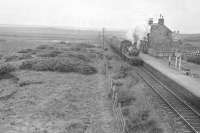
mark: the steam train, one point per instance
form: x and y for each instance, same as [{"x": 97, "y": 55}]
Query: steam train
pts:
[{"x": 128, "y": 51}]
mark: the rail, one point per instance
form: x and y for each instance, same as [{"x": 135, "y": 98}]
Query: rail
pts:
[{"x": 190, "y": 117}]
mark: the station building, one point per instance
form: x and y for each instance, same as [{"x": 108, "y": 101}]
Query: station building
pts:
[{"x": 160, "y": 38}]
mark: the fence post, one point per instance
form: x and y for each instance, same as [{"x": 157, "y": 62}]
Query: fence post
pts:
[{"x": 180, "y": 59}]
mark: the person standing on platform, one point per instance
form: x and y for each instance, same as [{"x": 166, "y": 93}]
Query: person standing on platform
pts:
[{"x": 169, "y": 61}]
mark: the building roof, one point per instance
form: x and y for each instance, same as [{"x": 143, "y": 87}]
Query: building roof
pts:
[{"x": 158, "y": 25}]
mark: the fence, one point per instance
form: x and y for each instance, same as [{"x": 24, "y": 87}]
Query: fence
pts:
[
  {"x": 116, "y": 107},
  {"x": 117, "y": 110}
]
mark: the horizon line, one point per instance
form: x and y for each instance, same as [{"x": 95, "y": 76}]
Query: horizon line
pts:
[
  {"x": 73, "y": 27},
  {"x": 63, "y": 27}
]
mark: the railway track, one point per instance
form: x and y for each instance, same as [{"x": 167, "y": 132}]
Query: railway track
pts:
[
  {"x": 173, "y": 101},
  {"x": 187, "y": 114}
]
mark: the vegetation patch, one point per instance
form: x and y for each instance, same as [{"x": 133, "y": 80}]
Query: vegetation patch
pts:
[
  {"x": 76, "y": 128},
  {"x": 109, "y": 57},
  {"x": 141, "y": 122},
  {"x": 126, "y": 97},
  {"x": 63, "y": 42},
  {"x": 11, "y": 58},
  {"x": 25, "y": 83},
  {"x": 81, "y": 47},
  {"x": 6, "y": 68},
  {"x": 117, "y": 83},
  {"x": 8, "y": 96},
  {"x": 59, "y": 65},
  {"x": 49, "y": 53},
  {"x": 6, "y": 72},
  {"x": 1, "y": 56},
  {"x": 78, "y": 56},
  {"x": 76, "y": 51},
  {"x": 123, "y": 72},
  {"x": 125, "y": 112},
  {"x": 194, "y": 59},
  {"x": 41, "y": 47},
  {"x": 27, "y": 51},
  {"x": 18, "y": 57},
  {"x": 84, "y": 45},
  {"x": 25, "y": 56}
]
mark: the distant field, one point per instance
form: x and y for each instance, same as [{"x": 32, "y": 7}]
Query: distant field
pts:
[
  {"x": 13, "y": 39},
  {"x": 193, "y": 39}
]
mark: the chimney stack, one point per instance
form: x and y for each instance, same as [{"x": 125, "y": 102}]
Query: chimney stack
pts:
[
  {"x": 150, "y": 21},
  {"x": 161, "y": 20}
]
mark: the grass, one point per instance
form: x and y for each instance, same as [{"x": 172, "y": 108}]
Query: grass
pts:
[
  {"x": 76, "y": 128},
  {"x": 194, "y": 59},
  {"x": 25, "y": 56},
  {"x": 56, "y": 86},
  {"x": 125, "y": 111},
  {"x": 8, "y": 96},
  {"x": 17, "y": 57},
  {"x": 24, "y": 51},
  {"x": 75, "y": 51},
  {"x": 49, "y": 53},
  {"x": 11, "y": 58},
  {"x": 123, "y": 72},
  {"x": 125, "y": 97},
  {"x": 6, "y": 72},
  {"x": 25, "y": 83},
  {"x": 86, "y": 57},
  {"x": 138, "y": 116},
  {"x": 51, "y": 58},
  {"x": 141, "y": 122},
  {"x": 59, "y": 65},
  {"x": 156, "y": 130},
  {"x": 44, "y": 47},
  {"x": 6, "y": 68},
  {"x": 63, "y": 42},
  {"x": 84, "y": 45},
  {"x": 1, "y": 56}
]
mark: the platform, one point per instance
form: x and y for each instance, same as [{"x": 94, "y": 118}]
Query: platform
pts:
[{"x": 190, "y": 83}]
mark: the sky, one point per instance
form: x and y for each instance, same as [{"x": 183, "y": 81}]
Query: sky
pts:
[{"x": 182, "y": 15}]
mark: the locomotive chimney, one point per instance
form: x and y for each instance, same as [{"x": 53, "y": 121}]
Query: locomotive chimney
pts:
[{"x": 161, "y": 20}]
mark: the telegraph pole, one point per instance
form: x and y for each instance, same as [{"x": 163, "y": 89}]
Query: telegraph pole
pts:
[
  {"x": 103, "y": 46},
  {"x": 103, "y": 32}
]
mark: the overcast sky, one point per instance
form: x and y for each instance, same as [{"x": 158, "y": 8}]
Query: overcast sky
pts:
[{"x": 183, "y": 15}]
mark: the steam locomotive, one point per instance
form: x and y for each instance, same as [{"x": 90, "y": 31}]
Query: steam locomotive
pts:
[{"x": 127, "y": 50}]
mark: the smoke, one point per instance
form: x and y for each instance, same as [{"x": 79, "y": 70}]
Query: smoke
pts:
[{"x": 137, "y": 33}]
